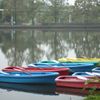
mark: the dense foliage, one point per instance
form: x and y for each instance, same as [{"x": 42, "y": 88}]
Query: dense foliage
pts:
[
  {"x": 93, "y": 97},
  {"x": 50, "y": 11}
]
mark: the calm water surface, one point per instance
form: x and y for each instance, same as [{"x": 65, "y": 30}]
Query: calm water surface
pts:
[{"x": 22, "y": 47}]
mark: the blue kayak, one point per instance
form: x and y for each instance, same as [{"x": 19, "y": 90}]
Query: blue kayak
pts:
[
  {"x": 73, "y": 67},
  {"x": 96, "y": 63},
  {"x": 29, "y": 77},
  {"x": 97, "y": 69},
  {"x": 86, "y": 74},
  {"x": 81, "y": 74}
]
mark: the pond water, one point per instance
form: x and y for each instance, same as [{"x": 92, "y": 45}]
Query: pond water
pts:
[{"x": 22, "y": 47}]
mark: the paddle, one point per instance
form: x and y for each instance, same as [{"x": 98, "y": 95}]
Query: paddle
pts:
[
  {"x": 89, "y": 73},
  {"x": 64, "y": 59},
  {"x": 62, "y": 64},
  {"x": 59, "y": 62},
  {"x": 68, "y": 60},
  {"x": 86, "y": 57},
  {"x": 81, "y": 77},
  {"x": 22, "y": 71},
  {"x": 20, "y": 68},
  {"x": 51, "y": 65},
  {"x": 36, "y": 66},
  {"x": 95, "y": 74},
  {"x": 5, "y": 73},
  {"x": 83, "y": 56},
  {"x": 42, "y": 68}
]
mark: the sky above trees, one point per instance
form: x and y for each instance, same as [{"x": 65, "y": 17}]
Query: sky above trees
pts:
[{"x": 71, "y": 2}]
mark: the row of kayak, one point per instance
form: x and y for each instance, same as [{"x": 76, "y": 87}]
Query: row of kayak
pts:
[
  {"x": 52, "y": 72},
  {"x": 74, "y": 67},
  {"x": 78, "y": 79},
  {"x": 81, "y": 79},
  {"x": 76, "y": 60},
  {"x": 72, "y": 61}
]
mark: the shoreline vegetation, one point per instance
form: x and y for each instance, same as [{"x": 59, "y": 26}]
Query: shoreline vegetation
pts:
[{"x": 69, "y": 26}]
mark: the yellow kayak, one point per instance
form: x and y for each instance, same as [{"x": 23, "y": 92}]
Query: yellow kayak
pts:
[{"x": 80, "y": 59}]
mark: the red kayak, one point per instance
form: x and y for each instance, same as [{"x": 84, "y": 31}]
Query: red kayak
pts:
[
  {"x": 76, "y": 82},
  {"x": 61, "y": 71}
]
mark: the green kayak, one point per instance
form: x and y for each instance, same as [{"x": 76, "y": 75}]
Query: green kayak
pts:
[{"x": 96, "y": 63}]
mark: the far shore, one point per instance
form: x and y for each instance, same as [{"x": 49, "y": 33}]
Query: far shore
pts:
[{"x": 53, "y": 26}]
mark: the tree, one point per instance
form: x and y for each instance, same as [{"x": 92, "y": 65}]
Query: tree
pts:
[
  {"x": 56, "y": 8},
  {"x": 33, "y": 7},
  {"x": 85, "y": 10},
  {"x": 14, "y": 8},
  {"x": 68, "y": 14}
]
